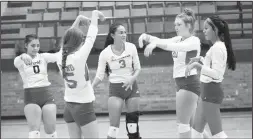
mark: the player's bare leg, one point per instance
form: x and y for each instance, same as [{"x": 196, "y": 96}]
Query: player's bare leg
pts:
[
  {"x": 90, "y": 130},
  {"x": 213, "y": 118},
  {"x": 186, "y": 102},
  {"x": 206, "y": 135},
  {"x": 115, "y": 106},
  {"x": 74, "y": 131},
  {"x": 49, "y": 120},
  {"x": 33, "y": 116}
]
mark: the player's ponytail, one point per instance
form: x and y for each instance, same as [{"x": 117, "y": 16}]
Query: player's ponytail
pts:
[
  {"x": 72, "y": 40},
  {"x": 64, "y": 58},
  {"x": 223, "y": 34},
  {"x": 231, "y": 62}
]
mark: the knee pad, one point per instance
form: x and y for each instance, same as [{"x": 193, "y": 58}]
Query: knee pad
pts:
[
  {"x": 221, "y": 135},
  {"x": 132, "y": 126},
  {"x": 34, "y": 134},
  {"x": 113, "y": 132},
  {"x": 182, "y": 128},
  {"x": 53, "y": 135}
]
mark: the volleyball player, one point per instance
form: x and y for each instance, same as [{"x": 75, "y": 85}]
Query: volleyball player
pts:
[
  {"x": 39, "y": 101},
  {"x": 120, "y": 61},
  {"x": 212, "y": 68},
  {"x": 183, "y": 46},
  {"x": 79, "y": 96}
]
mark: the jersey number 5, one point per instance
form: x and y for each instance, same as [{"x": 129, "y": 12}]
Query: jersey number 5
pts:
[
  {"x": 72, "y": 83},
  {"x": 122, "y": 63},
  {"x": 36, "y": 69}
]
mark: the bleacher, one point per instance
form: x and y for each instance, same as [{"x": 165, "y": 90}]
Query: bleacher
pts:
[{"x": 49, "y": 20}]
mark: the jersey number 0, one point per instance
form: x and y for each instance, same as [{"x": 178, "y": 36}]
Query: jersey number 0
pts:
[
  {"x": 36, "y": 69},
  {"x": 72, "y": 83}
]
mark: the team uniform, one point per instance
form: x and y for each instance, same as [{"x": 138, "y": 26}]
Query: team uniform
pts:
[
  {"x": 35, "y": 79},
  {"x": 79, "y": 94},
  {"x": 212, "y": 72},
  {"x": 181, "y": 56},
  {"x": 121, "y": 68}
]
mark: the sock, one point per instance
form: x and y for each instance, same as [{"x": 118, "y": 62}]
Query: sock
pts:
[
  {"x": 34, "y": 134},
  {"x": 221, "y": 135},
  {"x": 196, "y": 134},
  {"x": 53, "y": 135}
]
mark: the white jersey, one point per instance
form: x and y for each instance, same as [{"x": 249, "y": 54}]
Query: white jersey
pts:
[
  {"x": 214, "y": 63},
  {"x": 35, "y": 74},
  {"x": 121, "y": 67},
  {"x": 182, "y": 53},
  {"x": 77, "y": 83}
]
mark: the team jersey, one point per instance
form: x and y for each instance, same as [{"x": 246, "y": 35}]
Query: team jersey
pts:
[
  {"x": 182, "y": 53},
  {"x": 35, "y": 74},
  {"x": 77, "y": 83},
  {"x": 214, "y": 64},
  {"x": 121, "y": 67}
]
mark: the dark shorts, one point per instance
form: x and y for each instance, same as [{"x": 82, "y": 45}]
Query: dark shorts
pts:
[
  {"x": 191, "y": 83},
  {"x": 116, "y": 89},
  {"x": 81, "y": 113},
  {"x": 40, "y": 96},
  {"x": 212, "y": 92}
]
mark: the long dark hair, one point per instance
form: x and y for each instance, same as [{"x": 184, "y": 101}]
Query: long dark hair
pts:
[
  {"x": 224, "y": 35},
  {"x": 72, "y": 39},
  {"x": 109, "y": 40}
]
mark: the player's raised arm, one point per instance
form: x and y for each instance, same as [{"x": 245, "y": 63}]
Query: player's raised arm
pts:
[
  {"x": 80, "y": 18},
  {"x": 84, "y": 51}
]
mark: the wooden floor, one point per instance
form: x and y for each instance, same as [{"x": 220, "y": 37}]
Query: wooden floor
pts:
[{"x": 235, "y": 124}]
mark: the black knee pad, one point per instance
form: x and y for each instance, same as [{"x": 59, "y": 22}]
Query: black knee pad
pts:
[{"x": 132, "y": 126}]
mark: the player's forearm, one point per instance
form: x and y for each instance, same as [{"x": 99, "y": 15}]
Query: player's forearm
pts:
[
  {"x": 136, "y": 73},
  {"x": 150, "y": 38},
  {"x": 77, "y": 21},
  {"x": 171, "y": 46},
  {"x": 95, "y": 82}
]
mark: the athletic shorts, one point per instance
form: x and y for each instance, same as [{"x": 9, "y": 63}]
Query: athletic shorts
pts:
[
  {"x": 40, "y": 96},
  {"x": 81, "y": 113},
  {"x": 212, "y": 92},
  {"x": 116, "y": 89},
  {"x": 191, "y": 83}
]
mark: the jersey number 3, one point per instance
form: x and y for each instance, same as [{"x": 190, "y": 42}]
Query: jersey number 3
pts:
[
  {"x": 72, "y": 83},
  {"x": 36, "y": 69},
  {"x": 122, "y": 63}
]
